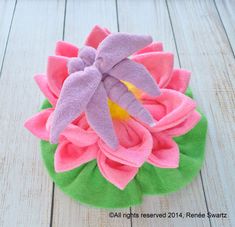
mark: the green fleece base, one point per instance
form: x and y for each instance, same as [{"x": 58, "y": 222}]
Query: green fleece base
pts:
[{"x": 87, "y": 185}]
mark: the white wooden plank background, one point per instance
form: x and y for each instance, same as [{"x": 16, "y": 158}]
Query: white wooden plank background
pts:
[{"x": 200, "y": 32}]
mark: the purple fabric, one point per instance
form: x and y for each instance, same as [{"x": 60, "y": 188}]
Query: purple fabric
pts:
[
  {"x": 119, "y": 93},
  {"x": 94, "y": 77}
]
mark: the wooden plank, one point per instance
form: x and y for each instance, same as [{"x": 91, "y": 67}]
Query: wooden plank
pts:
[
  {"x": 81, "y": 16},
  {"x": 25, "y": 198},
  {"x": 204, "y": 48},
  {"x": 6, "y": 14},
  {"x": 151, "y": 17},
  {"x": 226, "y": 9}
]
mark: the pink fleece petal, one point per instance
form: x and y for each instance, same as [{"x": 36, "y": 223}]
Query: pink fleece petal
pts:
[
  {"x": 185, "y": 126},
  {"x": 66, "y": 49},
  {"x": 42, "y": 83},
  {"x": 69, "y": 156},
  {"x": 169, "y": 109},
  {"x": 135, "y": 144},
  {"x": 159, "y": 64},
  {"x": 116, "y": 173},
  {"x": 37, "y": 124},
  {"x": 97, "y": 35},
  {"x": 165, "y": 153},
  {"x": 179, "y": 80},
  {"x": 79, "y": 136},
  {"x": 153, "y": 47},
  {"x": 57, "y": 72}
]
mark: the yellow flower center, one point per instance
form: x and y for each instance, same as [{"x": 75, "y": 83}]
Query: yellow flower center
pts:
[{"x": 116, "y": 111}]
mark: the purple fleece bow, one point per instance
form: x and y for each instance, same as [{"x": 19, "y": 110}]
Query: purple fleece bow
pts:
[{"x": 94, "y": 76}]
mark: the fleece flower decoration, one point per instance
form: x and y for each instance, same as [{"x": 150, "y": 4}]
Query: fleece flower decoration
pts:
[
  {"x": 121, "y": 121},
  {"x": 94, "y": 76}
]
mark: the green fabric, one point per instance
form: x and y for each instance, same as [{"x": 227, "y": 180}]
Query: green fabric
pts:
[{"x": 87, "y": 185}]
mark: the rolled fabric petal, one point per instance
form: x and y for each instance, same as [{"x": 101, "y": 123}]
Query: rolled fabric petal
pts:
[
  {"x": 159, "y": 65},
  {"x": 116, "y": 173},
  {"x": 79, "y": 136},
  {"x": 96, "y": 36},
  {"x": 136, "y": 74},
  {"x": 184, "y": 127},
  {"x": 69, "y": 156},
  {"x": 37, "y": 124},
  {"x": 165, "y": 153},
  {"x": 42, "y": 83},
  {"x": 98, "y": 116},
  {"x": 179, "y": 80},
  {"x": 153, "y": 47},
  {"x": 66, "y": 49},
  {"x": 119, "y": 93},
  {"x": 57, "y": 72},
  {"x": 77, "y": 91},
  {"x": 117, "y": 47},
  {"x": 135, "y": 143},
  {"x": 169, "y": 109}
]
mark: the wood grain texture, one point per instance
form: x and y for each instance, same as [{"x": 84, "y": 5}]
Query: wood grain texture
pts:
[
  {"x": 206, "y": 51},
  {"x": 203, "y": 37},
  {"x": 154, "y": 20},
  {"x": 6, "y": 15},
  {"x": 81, "y": 16},
  {"x": 25, "y": 198},
  {"x": 226, "y": 10}
]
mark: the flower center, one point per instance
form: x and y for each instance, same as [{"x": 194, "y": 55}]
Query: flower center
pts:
[{"x": 116, "y": 111}]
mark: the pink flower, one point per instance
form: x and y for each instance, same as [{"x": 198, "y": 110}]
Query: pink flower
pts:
[{"x": 173, "y": 112}]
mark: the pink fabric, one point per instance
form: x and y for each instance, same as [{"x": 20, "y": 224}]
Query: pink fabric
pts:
[
  {"x": 57, "y": 72},
  {"x": 159, "y": 64},
  {"x": 96, "y": 36},
  {"x": 42, "y": 83},
  {"x": 135, "y": 144},
  {"x": 37, "y": 124},
  {"x": 168, "y": 113},
  {"x": 173, "y": 113},
  {"x": 165, "y": 152},
  {"x": 66, "y": 49},
  {"x": 116, "y": 173},
  {"x": 185, "y": 126},
  {"x": 69, "y": 156},
  {"x": 179, "y": 80}
]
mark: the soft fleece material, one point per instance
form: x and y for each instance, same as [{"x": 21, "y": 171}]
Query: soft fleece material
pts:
[
  {"x": 94, "y": 76},
  {"x": 172, "y": 111},
  {"x": 87, "y": 184}
]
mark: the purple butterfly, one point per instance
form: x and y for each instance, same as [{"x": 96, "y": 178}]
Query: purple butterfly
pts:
[{"x": 94, "y": 77}]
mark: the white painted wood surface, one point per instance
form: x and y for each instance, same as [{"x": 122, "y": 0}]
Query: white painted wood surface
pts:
[
  {"x": 226, "y": 10},
  {"x": 6, "y": 16},
  {"x": 199, "y": 32},
  {"x": 204, "y": 48},
  {"x": 25, "y": 198}
]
